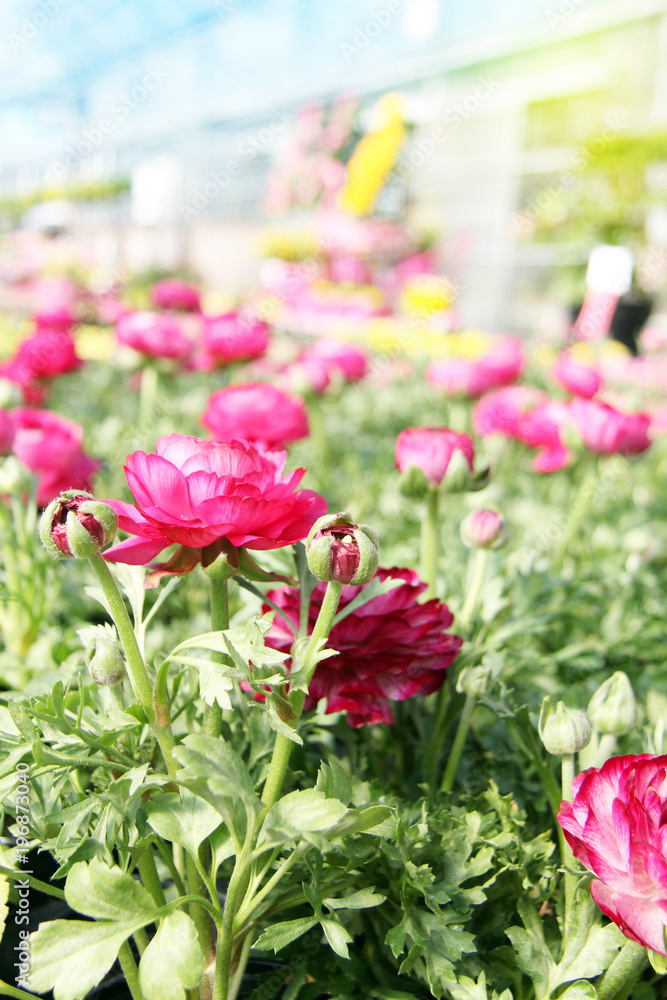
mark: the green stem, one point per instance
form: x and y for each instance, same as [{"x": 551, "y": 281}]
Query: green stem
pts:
[
  {"x": 605, "y": 749},
  {"x": 201, "y": 918},
  {"x": 567, "y": 857},
  {"x": 219, "y": 601},
  {"x": 428, "y": 560},
  {"x": 237, "y": 978},
  {"x": 147, "y": 394},
  {"x": 578, "y": 509},
  {"x": 136, "y": 668},
  {"x": 130, "y": 971},
  {"x": 623, "y": 971},
  {"x": 282, "y": 748},
  {"x": 477, "y": 579},
  {"x": 223, "y": 958},
  {"x": 149, "y": 876},
  {"x": 458, "y": 744}
]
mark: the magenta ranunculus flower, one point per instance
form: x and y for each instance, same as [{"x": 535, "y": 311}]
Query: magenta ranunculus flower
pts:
[
  {"x": 6, "y": 432},
  {"x": 55, "y": 318},
  {"x": 45, "y": 355},
  {"x": 350, "y": 361},
  {"x": 501, "y": 365},
  {"x": 389, "y": 649},
  {"x": 500, "y": 411},
  {"x": 194, "y": 493},
  {"x": 234, "y": 336},
  {"x": 616, "y": 828},
  {"x": 578, "y": 379},
  {"x": 256, "y": 412},
  {"x": 542, "y": 428},
  {"x": 606, "y": 431},
  {"x": 172, "y": 293},
  {"x": 431, "y": 449},
  {"x": 153, "y": 334},
  {"x": 51, "y": 446}
]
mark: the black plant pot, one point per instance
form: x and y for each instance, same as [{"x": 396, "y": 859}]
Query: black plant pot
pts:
[{"x": 629, "y": 317}]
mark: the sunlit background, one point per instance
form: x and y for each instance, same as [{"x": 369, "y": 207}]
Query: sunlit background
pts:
[{"x": 144, "y": 134}]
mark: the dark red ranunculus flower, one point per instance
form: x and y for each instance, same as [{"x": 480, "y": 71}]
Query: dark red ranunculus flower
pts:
[{"x": 389, "y": 649}]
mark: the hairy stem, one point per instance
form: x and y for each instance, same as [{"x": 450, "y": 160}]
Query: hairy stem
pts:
[
  {"x": 428, "y": 560},
  {"x": 219, "y": 601}
]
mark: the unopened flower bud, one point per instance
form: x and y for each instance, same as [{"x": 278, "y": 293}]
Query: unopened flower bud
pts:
[
  {"x": 105, "y": 661},
  {"x": 475, "y": 681},
  {"x": 75, "y": 524},
  {"x": 14, "y": 477},
  {"x": 613, "y": 708},
  {"x": 563, "y": 730},
  {"x": 340, "y": 550},
  {"x": 484, "y": 529}
]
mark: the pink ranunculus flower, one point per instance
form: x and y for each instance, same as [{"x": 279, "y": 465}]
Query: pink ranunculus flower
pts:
[
  {"x": 155, "y": 335},
  {"x": 501, "y": 365},
  {"x": 234, "y": 336},
  {"x": 578, "y": 379},
  {"x": 389, "y": 649},
  {"x": 196, "y": 493},
  {"x": 172, "y": 293},
  {"x": 500, "y": 411},
  {"x": 616, "y": 828},
  {"x": 52, "y": 447},
  {"x": 45, "y": 355},
  {"x": 55, "y": 318},
  {"x": 350, "y": 361},
  {"x": 431, "y": 449},
  {"x": 256, "y": 412},
  {"x": 542, "y": 427},
  {"x": 6, "y": 432},
  {"x": 606, "y": 431}
]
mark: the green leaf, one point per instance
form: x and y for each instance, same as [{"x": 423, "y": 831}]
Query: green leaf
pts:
[
  {"x": 301, "y": 812},
  {"x": 4, "y": 909},
  {"x": 278, "y": 725},
  {"x": 334, "y": 781},
  {"x": 72, "y": 956},
  {"x": 215, "y": 771},
  {"x": 337, "y": 936},
  {"x": 360, "y": 900},
  {"x": 581, "y": 990},
  {"x": 280, "y": 935},
  {"x": 107, "y": 893},
  {"x": 186, "y": 820},
  {"x": 590, "y": 947},
  {"x": 214, "y": 685},
  {"x": 172, "y": 962},
  {"x": 360, "y": 820}
]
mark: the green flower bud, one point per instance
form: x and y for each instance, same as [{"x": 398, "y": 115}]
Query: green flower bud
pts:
[
  {"x": 613, "y": 708},
  {"x": 76, "y": 525},
  {"x": 338, "y": 549},
  {"x": 475, "y": 681},
  {"x": 105, "y": 661},
  {"x": 563, "y": 730}
]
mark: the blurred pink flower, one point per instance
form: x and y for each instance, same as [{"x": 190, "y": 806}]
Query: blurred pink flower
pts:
[
  {"x": 51, "y": 446},
  {"x": 350, "y": 361},
  {"x": 606, "y": 431},
  {"x": 256, "y": 412},
  {"x": 578, "y": 379},
  {"x": 55, "y": 317},
  {"x": 195, "y": 493},
  {"x": 154, "y": 334},
  {"x": 171, "y": 293},
  {"x": 541, "y": 428},
  {"x": 616, "y": 828},
  {"x": 500, "y": 411},
  {"x": 6, "y": 432},
  {"x": 501, "y": 365},
  {"x": 233, "y": 336},
  {"x": 45, "y": 355},
  {"x": 431, "y": 449}
]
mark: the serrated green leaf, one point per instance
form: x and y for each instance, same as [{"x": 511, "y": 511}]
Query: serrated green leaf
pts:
[
  {"x": 360, "y": 820},
  {"x": 334, "y": 781},
  {"x": 337, "y": 936},
  {"x": 215, "y": 771},
  {"x": 106, "y": 893},
  {"x": 278, "y": 725},
  {"x": 280, "y": 935},
  {"x": 186, "y": 820},
  {"x": 361, "y": 900},
  {"x": 72, "y": 956},
  {"x": 581, "y": 990},
  {"x": 214, "y": 686},
  {"x": 299, "y": 812},
  {"x": 172, "y": 962}
]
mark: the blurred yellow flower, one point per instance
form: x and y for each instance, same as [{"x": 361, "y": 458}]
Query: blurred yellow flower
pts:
[{"x": 375, "y": 155}]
